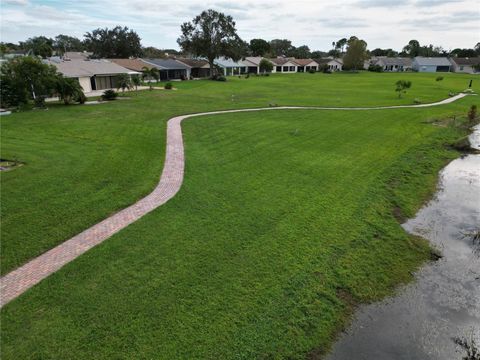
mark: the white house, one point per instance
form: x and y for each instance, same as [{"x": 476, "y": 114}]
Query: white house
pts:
[
  {"x": 284, "y": 65},
  {"x": 305, "y": 65},
  {"x": 394, "y": 64},
  {"x": 230, "y": 67},
  {"x": 252, "y": 63},
  {"x": 330, "y": 64},
  {"x": 466, "y": 65}
]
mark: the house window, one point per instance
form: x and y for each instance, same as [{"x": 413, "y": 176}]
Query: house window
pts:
[
  {"x": 285, "y": 68},
  {"x": 279, "y": 69},
  {"x": 461, "y": 67},
  {"x": 292, "y": 68}
]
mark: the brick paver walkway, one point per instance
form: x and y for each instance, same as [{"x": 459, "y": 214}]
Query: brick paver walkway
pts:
[{"x": 18, "y": 281}]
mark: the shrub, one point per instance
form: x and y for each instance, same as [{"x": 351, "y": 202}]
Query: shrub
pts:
[
  {"x": 472, "y": 114},
  {"x": 401, "y": 86},
  {"x": 221, "y": 78},
  {"x": 265, "y": 66},
  {"x": 81, "y": 98},
  {"x": 39, "y": 101},
  {"x": 247, "y": 76},
  {"x": 312, "y": 71},
  {"x": 109, "y": 95},
  {"x": 168, "y": 86},
  {"x": 451, "y": 94},
  {"x": 417, "y": 101},
  {"x": 439, "y": 78},
  {"x": 375, "y": 68}
]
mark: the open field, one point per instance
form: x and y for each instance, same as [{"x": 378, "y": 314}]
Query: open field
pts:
[{"x": 284, "y": 220}]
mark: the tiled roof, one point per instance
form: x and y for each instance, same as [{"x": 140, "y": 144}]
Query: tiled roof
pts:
[
  {"x": 132, "y": 64},
  {"x": 303, "y": 62},
  {"x": 392, "y": 61}
]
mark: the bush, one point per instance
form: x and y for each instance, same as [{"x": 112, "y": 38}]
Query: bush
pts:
[
  {"x": 247, "y": 76},
  {"x": 375, "y": 68},
  {"x": 81, "y": 98},
  {"x": 39, "y": 101},
  {"x": 109, "y": 95},
  {"x": 221, "y": 78},
  {"x": 451, "y": 94},
  {"x": 417, "y": 101},
  {"x": 439, "y": 78},
  {"x": 312, "y": 71},
  {"x": 168, "y": 86}
]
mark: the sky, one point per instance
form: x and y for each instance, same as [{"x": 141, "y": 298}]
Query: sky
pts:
[{"x": 381, "y": 23}]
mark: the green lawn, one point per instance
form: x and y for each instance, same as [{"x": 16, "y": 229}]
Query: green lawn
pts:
[{"x": 284, "y": 218}]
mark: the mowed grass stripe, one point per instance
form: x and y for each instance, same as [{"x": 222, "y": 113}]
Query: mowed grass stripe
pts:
[{"x": 255, "y": 254}]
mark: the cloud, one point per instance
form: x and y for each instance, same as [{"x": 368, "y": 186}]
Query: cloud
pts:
[
  {"x": 382, "y": 23},
  {"x": 17, "y": 2}
]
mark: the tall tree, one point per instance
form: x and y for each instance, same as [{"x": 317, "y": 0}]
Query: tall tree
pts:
[
  {"x": 152, "y": 52},
  {"x": 39, "y": 46},
  {"x": 340, "y": 44},
  {"x": 119, "y": 42},
  {"x": 301, "y": 52},
  {"x": 211, "y": 34},
  {"x": 356, "y": 54},
  {"x": 281, "y": 47},
  {"x": 412, "y": 48},
  {"x": 64, "y": 43},
  {"x": 259, "y": 47}
]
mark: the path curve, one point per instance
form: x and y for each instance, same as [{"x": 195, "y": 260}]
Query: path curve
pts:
[{"x": 20, "y": 280}]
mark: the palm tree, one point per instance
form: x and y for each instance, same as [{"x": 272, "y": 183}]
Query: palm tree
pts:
[
  {"x": 151, "y": 73},
  {"x": 124, "y": 82},
  {"x": 69, "y": 89}
]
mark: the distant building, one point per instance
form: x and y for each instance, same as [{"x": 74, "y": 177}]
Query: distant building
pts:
[
  {"x": 431, "y": 64},
  {"x": 466, "y": 65},
  {"x": 170, "y": 69},
  {"x": 305, "y": 65},
  {"x": 230, "y": 67},
  {"x": 199, "y": 68},
  {"x": 394, "y": 64},
  {"x": 284, "y": 65},
  {"x": 330, "y": 64}
]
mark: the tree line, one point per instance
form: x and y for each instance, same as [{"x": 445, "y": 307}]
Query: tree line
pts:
[{"x": 122, "y": 42}]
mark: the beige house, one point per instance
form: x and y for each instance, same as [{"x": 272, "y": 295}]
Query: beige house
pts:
[
  {"x": 330, "y": 64},
  {"x": 92, "y": 74},
  {"x": 305, "y": 65}
]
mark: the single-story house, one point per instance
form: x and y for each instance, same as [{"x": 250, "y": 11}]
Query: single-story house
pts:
[
  {"x": 330, "y": 64},
  {"x": 252, "y": 63},
  {"x": 466, "y": 65},
  {"x": 284, "y": 65},
  {"x": 305, "y": 65},
  {"x": 398, "y": 64},
  {"x": 199, "y": 68},
  {"x": 92, "y": 74},
  {"x": 431, "y": 64},
  {"x": 230, "y": 67},
  {"x": 170, "y": 69}
]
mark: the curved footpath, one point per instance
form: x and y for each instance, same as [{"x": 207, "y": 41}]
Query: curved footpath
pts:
[{"x": 20, "y": 280}]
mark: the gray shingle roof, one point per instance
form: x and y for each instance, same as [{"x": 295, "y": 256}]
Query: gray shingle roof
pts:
[
  {"x": 432, "y": 61},
  {"x": 392, "y": 61},
  {"x": 467, "y": 61},
  {"x": 167, "y": 64}
]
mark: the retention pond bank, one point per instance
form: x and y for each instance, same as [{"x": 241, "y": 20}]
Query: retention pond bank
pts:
[{"x": 443, "y": 302}]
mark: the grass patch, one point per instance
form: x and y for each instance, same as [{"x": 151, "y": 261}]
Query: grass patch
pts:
[{"x": 285, "y": 220}]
